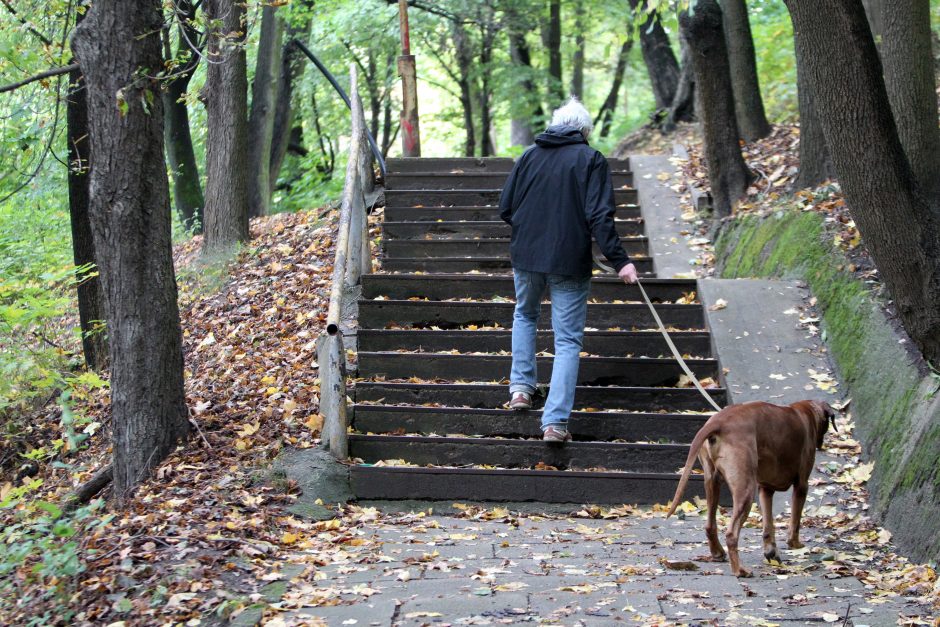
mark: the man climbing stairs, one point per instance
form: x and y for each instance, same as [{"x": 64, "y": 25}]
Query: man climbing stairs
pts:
[{"x": 430, "y": 419}]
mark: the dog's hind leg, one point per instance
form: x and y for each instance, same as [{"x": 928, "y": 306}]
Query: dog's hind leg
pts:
[
  {"x": 712, "y": 494},
  {"x": 738, "y": 473},
  {"x": 767, "y": 514},
  {"x": 796, "y": 513}
]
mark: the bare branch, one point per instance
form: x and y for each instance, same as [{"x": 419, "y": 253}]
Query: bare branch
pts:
[
  {"x": 26, "y": 23},
  {"x": 57, "y": 71}
]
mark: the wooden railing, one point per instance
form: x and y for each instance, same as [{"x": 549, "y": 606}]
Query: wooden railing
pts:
[{"x": 353, "y": 259}]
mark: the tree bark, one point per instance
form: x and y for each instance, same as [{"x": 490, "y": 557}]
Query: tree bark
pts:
[
  {"x": 606, "y": 114},
  {"x": 487, "y": 39},
  {"x": 727, "y": 173},
  {"x": 261, "y": 120},
  {"x": 577, "y": 59},
  {"x": 292, "y": 69},
  {"x": 815, "y": 161},
  {"x": 660, "y": 60},
  {"x": 227, "y": 204},
  {"x": 525, "y": 103},
  {"x": 553, "y": 47},
  {"x": 91, "y": 311},
  {"x": 748, "y": 105},
  {"x": 187, "y": 190},
  {"x": 682, "y": 108},
  {"x": 118, "y": 46},
  {"x": 897, "y": 224},
  {"x": 911, "y": 84}
]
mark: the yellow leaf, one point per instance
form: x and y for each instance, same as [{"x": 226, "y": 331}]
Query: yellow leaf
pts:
[
  {"x": 268, "y": 380},
  {"x": 249, "y": 429},
  {"x": 289, "y": 538},
  {"x": 315, "y": 423}
]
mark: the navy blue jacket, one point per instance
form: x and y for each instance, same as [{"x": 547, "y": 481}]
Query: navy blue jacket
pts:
[{"x": 558, "y": 195}]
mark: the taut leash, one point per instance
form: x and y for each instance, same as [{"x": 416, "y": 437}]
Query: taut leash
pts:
[{"x": 662, "y": 329}]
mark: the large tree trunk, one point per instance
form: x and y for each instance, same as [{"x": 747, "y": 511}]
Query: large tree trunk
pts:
[
  {"x": 909, "y": 78},
  {"x": 727, "y": 173},
  {"x": 748, "y": 105},
  {"x": 552, "y": 42},
  {"x": 226, "y": 209},
  {"x": 898, "y": 226},
  {"x": 577, "y": 59},
  {"x": 682, "y": 108},
  {"x": 292, "y": 69},
  {"x": 815, "y": 161},
  {"x": 261, "y": 121},
  {"x": 606, "y": 114},
  {"x": 487, "y": 38},
  {"x": 660, "y": 60},
  {"x": 187, "y": 191},
  {"x": 91, "y": 310},
  {"x": 118, "y": 46}
]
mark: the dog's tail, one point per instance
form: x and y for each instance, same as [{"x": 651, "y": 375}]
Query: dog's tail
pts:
[{"x": 707, "y": 430}]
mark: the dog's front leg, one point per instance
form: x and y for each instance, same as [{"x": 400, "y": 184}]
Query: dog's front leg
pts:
[
  {"x": 796, "y": 513},
  {"x": 767, "y": 514}
]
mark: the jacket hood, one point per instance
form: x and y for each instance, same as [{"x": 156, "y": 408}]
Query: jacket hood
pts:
[{"x": 555, "y": 136}]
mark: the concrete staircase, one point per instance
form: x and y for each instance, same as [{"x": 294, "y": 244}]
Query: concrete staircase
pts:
[{"x": 429, "y": 420}]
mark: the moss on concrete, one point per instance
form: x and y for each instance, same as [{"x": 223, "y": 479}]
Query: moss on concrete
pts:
[{"x": 895, "y": 405}]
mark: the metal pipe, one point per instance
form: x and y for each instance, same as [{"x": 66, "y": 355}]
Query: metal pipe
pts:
[{"x": 375, "y": 149}]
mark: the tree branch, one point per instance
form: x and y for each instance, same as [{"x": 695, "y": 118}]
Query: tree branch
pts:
[
  {"x": 58, "y": 71},
  {"x": 26, "y": 23}
]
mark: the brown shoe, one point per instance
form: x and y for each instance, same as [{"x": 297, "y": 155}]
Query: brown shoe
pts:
[
  {"x": 556, "y": 435},
  {"x": 520, "y": 401}
]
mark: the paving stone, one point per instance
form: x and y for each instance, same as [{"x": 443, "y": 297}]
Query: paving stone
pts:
[
  {"x": 374, "y": 612},
  {"x": 462, "y": 608}
]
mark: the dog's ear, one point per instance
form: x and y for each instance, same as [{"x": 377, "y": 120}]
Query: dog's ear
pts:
[{"x": 830, "y": 414}]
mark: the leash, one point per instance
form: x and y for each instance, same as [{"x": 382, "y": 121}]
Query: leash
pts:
[{"x": 662, "y": 329}]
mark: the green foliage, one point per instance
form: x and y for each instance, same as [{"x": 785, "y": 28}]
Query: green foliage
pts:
[{"x": 776, "y": 60}]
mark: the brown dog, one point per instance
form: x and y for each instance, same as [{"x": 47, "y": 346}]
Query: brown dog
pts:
[{"x": 757, "y": 445}]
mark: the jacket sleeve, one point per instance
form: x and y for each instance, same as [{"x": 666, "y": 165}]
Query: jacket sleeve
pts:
[
  {"x": 600, "y": 208},
  {"x": 505, "y": 198}
]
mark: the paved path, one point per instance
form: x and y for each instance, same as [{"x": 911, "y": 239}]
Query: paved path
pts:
[{"x": 495, "y": 567}]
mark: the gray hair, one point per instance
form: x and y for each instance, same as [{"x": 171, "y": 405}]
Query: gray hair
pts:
[{"x": 573, "y": 113}]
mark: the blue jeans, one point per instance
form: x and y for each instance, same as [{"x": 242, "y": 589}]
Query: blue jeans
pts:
[{"x": 569, "y": 297}]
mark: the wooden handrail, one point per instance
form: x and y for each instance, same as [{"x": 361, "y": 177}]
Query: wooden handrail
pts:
[{"x": 351, "y": 260}]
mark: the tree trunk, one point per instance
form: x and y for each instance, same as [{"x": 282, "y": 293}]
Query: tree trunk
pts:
[
  {"x": 525, "y": 102},
  {"x": 261, "y": 120},
  {"x": 606, "y": 115},
  {"x": 226, "y": 210},
  {"x": 553, "y": 46},
  {"x": 118, "y": 46},
  {"x": 187, "y": 191},
  {"x": 487, "y": 38},
  {"x": 748, "y": 105},
  {"x": 91, "y": 311},
  {"x": 682, "y": 108},
  {"x": 660, "y": 60},
  {"x": 292, "y": 69},
  {"x": 815, "y": 161},
  {"x": 464, "y": 54},
  {"x": 911, "y": 84},
  {"x": 727, "y": 173},
  {"x": 897, "y": 224},
  {"x": 577, "y": 60}
]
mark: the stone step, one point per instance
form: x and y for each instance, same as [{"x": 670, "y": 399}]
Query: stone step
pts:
[
  {"x": 407, "y": 165},
  {"x": 623, "y": 371},
  {"x": 470, "y": 180},
  {"x": 485, "y": 229},
  {"x": 600, "y": 425},
  {"x": 489, "y": 265},
  {"x": 487, "y": 286},
  {"x": 379, "y": 314},
  {"x": 489, "y": 395},
  {"x": 475, "y": 213},
  {"x": 483, "y": 484},
  {"x": 508, "y": 453},
  {"x": 464, "y": 197},
  {"x": 604, "y": 343},
  {"x": 454, "y": 247}
]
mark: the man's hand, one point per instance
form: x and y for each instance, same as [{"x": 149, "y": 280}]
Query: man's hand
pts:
[{"x": 628, "y": 273}]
